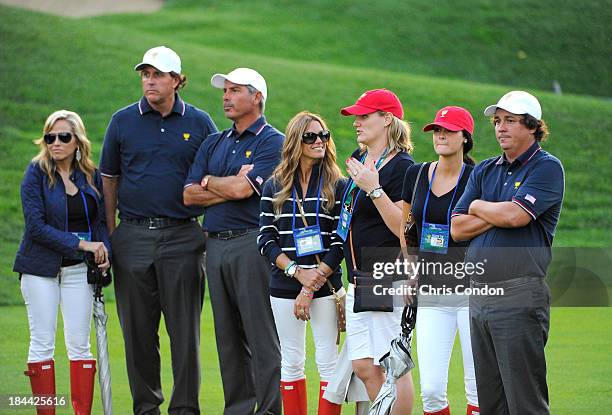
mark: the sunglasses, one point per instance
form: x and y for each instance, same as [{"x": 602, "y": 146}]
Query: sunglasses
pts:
[
  {"x": 64, "y": 137},
  {"x": 310, "y": 138}
]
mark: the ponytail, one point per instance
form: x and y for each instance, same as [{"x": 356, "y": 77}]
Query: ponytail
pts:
[{"x": 467, "y": 146}]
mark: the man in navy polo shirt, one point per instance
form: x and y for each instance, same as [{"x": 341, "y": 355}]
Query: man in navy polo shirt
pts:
[
  {"x": 509, "y": 211},
  {"x": 227, "y": 178},
  {"x": 158, "y": 245}
]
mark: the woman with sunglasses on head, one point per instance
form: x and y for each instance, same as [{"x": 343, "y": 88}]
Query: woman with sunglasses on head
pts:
[
  {"x": 61, "y": 196},
  {"x": 306, "y": 275},
  {"x": 370, "y": 218},
  {"x": 440, "y": 314}
]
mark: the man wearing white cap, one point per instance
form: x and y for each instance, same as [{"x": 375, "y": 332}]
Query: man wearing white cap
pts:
[
  {"x": 509, "y": 212},
  {"x": 158, "y": 245},
  {"x": 226, "y": 178}
]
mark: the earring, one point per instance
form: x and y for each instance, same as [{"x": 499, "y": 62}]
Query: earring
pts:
[
  {"x": 465, "y": 141},
  {"x": 78, "y": 154}
]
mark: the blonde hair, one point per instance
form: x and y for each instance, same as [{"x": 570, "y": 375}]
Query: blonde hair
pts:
[
  {"x": 46, "y": 162},
  {"x": 290, "y": 161},
  {"x": 398, "y": 135}
]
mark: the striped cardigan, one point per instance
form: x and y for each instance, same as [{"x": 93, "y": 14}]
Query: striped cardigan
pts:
[{"x": 276, "y": 235}]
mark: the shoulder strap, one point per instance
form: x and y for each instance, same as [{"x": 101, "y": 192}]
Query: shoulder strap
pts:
[{"x": 408, "y": 215}]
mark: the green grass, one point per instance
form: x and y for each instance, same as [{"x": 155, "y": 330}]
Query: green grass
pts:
[{"x": 578, "y": 366}]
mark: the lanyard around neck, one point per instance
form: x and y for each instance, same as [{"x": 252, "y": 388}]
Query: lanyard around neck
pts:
[
  {"x": 450, "y": 205},
  {"x": 349, "y": 202},
  {"x": 294, "y": 194}
]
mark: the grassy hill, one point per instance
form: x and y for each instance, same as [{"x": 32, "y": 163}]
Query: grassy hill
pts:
[
  {"x": 49, "y": 63},
  {"x": 524, "y": 43}
]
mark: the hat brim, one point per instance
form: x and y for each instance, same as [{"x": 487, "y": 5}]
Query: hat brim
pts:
[
  {"x": 448, "y": 126},
  {"x": 490, "y": 110},
  {"x": 218, "y": 80},
  {"x": 143, "y": 64},
  {"x": 357, "y": 110}
]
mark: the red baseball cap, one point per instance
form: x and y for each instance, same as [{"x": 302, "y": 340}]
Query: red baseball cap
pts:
[
  {"x": 376, "y": 100},
  {"x": 453, "y": 119}
]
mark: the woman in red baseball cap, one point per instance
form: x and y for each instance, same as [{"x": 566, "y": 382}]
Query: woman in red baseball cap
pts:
[
  {"x": 370, "y": 218},
  {"x": 442, "y": 309}
]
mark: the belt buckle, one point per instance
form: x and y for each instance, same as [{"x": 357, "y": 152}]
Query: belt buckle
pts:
[{"x": 153, "y": 224}]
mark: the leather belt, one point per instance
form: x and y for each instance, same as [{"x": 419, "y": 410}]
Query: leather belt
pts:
[
  {"x": 231, "y": 233},
  {"x": 158, "y": 223}
]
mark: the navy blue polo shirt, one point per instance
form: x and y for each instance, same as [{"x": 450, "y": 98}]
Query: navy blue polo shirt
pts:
[
  {"x": 222, "y": 155},
  {"x": 151, "y": 155},
  {"x": 534, "y": 181}
]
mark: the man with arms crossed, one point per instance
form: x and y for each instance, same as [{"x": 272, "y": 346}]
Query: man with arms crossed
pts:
[
  {"x": 158, "y": 245},
  {"x": 227, "y": 177},
  {"x": 509, "y": 211}
]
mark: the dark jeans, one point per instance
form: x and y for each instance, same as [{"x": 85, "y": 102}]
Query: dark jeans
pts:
[
  {"x": 508, "y": 334},
  {"x": 160, "y": 271},
  {"x": 247, "y": 342}
]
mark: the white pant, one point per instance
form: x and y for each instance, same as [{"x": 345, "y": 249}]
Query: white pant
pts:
[
  {"x": 42, "y": 295},
  {"x": 292, "y": 336},
  {"x": 435, "y": 331},
  {"x": 369, "y": 333}
]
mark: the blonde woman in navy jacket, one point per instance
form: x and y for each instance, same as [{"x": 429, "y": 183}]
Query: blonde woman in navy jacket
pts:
[{"x": 63, "y": 210}]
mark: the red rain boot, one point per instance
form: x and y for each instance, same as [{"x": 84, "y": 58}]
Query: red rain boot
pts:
[
  {"x": 472, "y": 410},
  {"x": 82, "y": 373},
  {"x": 42, "y": 381},
  {"x": 326, "y": 407},
  {"x": 294, "y": 397}
]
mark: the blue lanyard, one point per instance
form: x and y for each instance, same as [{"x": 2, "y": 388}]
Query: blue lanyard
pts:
[
  {"x": 350, "y": 186},
  {"x": 433, "y": 176},
  {"x": 294, "y": 194},
  {"x": 86, "y": 212}
]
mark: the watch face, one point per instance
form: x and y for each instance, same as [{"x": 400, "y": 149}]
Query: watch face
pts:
[
  {"x": 291, "y": 270},
  {"x": 376, "y": 193}
]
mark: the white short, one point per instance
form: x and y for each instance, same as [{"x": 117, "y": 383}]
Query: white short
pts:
[{"x": 369, "y": 333}]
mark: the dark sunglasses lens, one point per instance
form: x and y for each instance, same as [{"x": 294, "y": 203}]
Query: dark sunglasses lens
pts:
[
  {"x": 325, "y": 135},
  {"x": 49, "y": 138},
  {"x": 309, "y": 138},
  {"x": 65, "y": 137}
]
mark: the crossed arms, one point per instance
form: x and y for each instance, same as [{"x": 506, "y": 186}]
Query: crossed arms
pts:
[
  {"x": 214, "y": 190},
  {"x": 483, "y": 216}
]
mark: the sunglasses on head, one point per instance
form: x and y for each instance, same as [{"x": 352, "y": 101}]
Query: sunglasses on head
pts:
[
  {"x": 64, "y": 137},
  {"x": 310, "y": 138}
]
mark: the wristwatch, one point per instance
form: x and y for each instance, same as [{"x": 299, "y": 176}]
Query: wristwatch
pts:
[
  {"x": 376, "y": 193},
  {"x": 291, "y": 269}
]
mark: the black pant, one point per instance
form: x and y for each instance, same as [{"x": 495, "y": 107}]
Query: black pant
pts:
[
  {"x": 247, "y": 342},
  {"x": 160, "y": 271},
  {"x": 508, "y": 334}
]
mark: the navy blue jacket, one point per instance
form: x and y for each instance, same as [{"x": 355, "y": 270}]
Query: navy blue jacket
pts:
[{"x": 45, "y": 241}]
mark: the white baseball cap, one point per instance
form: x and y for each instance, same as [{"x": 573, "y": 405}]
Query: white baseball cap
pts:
[
  {"x": 517, "y": 102},
  {"x": 242, "y": 76},
  {"x": 161, "y": 58}
]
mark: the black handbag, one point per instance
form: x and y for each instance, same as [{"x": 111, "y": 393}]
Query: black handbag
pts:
[
  {"x": 95, "y": 275},
  {"x": 367, "y": 295}
]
